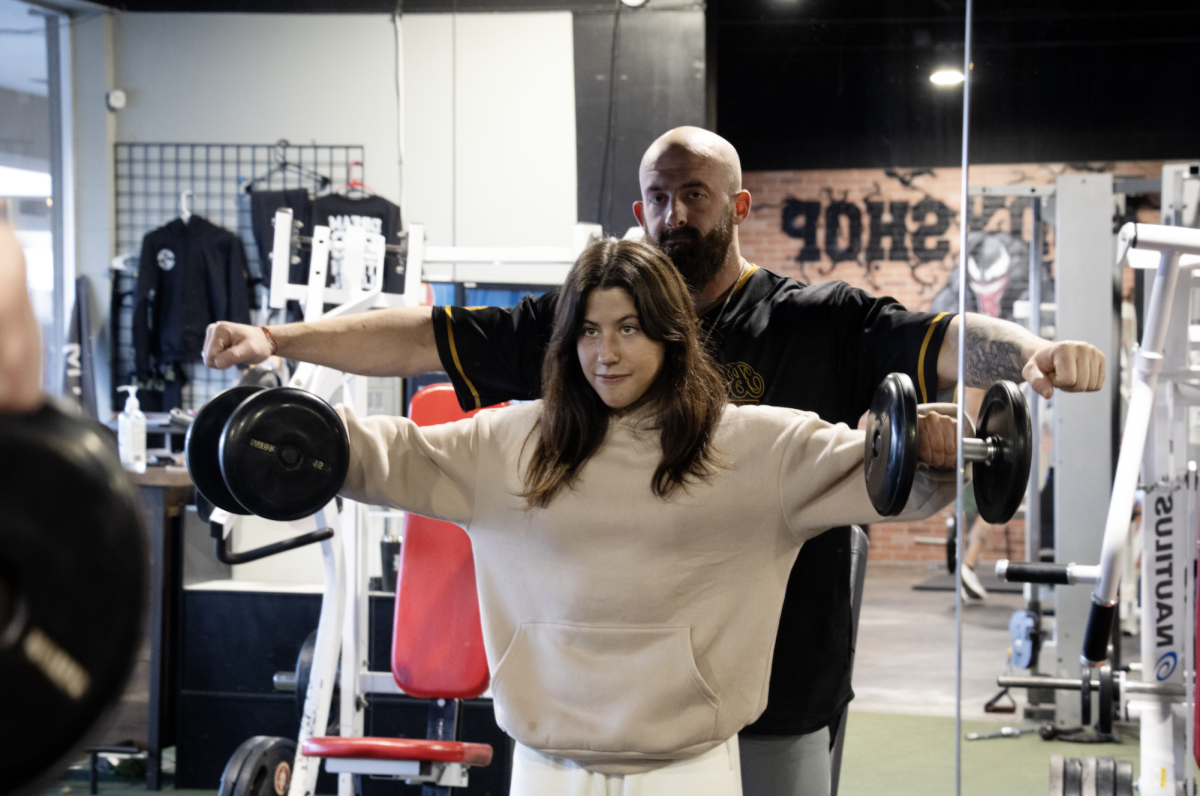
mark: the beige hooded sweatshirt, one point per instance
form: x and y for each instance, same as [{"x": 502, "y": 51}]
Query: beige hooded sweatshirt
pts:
[{"x": 625, "y": 631}]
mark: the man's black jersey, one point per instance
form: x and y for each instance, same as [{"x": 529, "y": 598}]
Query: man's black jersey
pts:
[{"x": 824, "y": 349}]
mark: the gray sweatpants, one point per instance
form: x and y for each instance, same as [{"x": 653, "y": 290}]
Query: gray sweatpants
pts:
[{"x": 785, "y": 765}]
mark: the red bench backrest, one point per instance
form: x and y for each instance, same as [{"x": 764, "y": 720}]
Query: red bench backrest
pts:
[{"x": 437, "y": 643}]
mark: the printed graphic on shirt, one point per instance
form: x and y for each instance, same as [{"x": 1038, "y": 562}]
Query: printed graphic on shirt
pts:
[
  {"x": 166, "y": 259},
  {"x": 372, "y": 262},
  {"x": 743, "y": 383}
]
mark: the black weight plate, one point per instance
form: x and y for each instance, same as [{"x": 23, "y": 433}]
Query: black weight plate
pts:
[
  {"x": 261, "y": 766},
  {"x": 267, "y": 770},
  {"x": 890, "y": 455},
  {"x": 1106, "y": 776},
  {"x": 1073, "y": 777},
  {"x": 1124, "y": 778},
  {"x": 203, "y": 443},
  {"x": 304, "y": 663},
  {"x": 237, "y": 760},
  {"x": 284, "y": 454},
  {"x": 73, "y": 561},
  {"x": 1000, "y": 485},
  {"x": 1107, "y": 700}
]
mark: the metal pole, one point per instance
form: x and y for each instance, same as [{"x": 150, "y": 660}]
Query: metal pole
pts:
[
  {"x": 1033, "y": 503},
  {"x": 964, "y": 225},
  {"x": 53, "y": 376}
]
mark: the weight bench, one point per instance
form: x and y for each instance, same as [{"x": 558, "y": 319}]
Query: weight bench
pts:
[{"x": 437, "y": 647}]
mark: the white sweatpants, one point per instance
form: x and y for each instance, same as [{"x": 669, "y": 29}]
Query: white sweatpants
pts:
[{"x": 717, "y": 772}]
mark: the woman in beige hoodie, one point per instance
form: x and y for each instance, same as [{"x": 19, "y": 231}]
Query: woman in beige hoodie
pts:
[{"x": 633, "y": 535}]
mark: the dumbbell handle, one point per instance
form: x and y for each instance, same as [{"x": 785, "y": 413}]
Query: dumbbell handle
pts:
[{"x": 978, "y": 450}]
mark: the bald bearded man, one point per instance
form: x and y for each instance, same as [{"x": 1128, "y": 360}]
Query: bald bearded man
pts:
[{"x": 823, "y": 349}]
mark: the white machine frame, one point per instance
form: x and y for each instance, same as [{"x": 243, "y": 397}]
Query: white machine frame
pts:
[
  {"x": 1165, "y": 384},
  {"x": 342, "y": 626}
]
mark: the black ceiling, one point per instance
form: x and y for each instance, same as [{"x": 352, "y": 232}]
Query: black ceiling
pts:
[
  {"x": 845, "y": 83},
  {"x": 830, "y": 83}
]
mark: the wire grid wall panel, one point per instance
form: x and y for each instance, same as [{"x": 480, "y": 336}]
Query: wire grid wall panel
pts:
[{"x": 149, "y": 182}]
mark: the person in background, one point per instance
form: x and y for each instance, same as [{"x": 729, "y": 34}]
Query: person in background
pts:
[
  {"x": 633, "y": 534},
  {"x": 822, "y": 348}
]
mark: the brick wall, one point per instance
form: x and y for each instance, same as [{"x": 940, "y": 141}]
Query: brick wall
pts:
[
  {"x": 896, "y": 233},
  {"x": 911, "y": 541}
]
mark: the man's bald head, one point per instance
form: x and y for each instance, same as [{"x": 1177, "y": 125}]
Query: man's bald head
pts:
[{"x": 696, "y": 148}]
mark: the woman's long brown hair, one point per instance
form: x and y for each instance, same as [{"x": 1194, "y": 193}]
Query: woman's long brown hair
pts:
[{"x": 688, "y": 394}]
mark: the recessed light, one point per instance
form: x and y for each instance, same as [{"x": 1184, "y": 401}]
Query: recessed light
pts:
[{"x": 946, "y": 77}]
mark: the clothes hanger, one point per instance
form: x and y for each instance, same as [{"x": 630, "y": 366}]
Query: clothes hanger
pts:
[
  {"x": 185, "y": 205},
  {"x": 353, "y": 184},
  {"x": 282, "y": 164}
]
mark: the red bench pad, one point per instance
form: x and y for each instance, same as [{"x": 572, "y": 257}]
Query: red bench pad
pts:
[
  {"x": 437, "y": 642},
  {"x": 471, "y": 754}
]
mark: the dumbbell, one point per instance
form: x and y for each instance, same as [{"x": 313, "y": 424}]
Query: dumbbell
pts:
[
  {"x": 1001, "y": 453},
  {"x": 74, "y": 578},
  {"x": 280, "y": 453}
]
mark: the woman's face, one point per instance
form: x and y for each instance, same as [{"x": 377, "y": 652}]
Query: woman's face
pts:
[{"x": 618, "y": 359}]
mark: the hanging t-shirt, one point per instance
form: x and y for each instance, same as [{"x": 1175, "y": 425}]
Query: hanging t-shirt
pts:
[
  {"x": 263, "y": 205},
  {"x": 372, "y": 213}
]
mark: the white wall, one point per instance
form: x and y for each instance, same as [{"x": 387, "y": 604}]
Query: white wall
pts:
[
  {"x": 488, "y": 105},
  {"x": 489, "y": 128},
  {"x": 256, "y": 78}
]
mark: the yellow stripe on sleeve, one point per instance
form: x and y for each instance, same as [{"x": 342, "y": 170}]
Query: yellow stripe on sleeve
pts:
[
  {"x": 920, "y": 359},
  {"x": 458, "y": 362}
]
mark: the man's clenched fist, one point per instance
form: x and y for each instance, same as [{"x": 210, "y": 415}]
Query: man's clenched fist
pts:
[{"x": 227, "y": 344}]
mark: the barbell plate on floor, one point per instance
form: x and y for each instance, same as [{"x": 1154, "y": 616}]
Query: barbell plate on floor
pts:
[
  {"x": 261, "y": 766},
  {"x": 73, "y": 589},
  {"x": 1106, "y": 776},
  {"x": 201, "y": 447},
  {"x": 890, "y": 455},
  {"x": 1000, "y": 484},
  {"x": 1124, "y": 778},
  {"x": 284, "y": 454},
  {"x": 1072, "y": 777}
]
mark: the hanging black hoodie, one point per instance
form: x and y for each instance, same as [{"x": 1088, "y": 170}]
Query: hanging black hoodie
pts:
[{"x": 190, "y": 275}]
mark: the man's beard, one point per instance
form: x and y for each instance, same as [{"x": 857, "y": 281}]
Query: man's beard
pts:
[{"x": 698, "y": 257}]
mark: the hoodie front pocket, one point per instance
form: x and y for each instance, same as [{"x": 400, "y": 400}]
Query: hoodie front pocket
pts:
[{"x": 603, "y": 689}]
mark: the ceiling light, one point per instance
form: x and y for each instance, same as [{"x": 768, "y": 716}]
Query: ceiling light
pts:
[{"x": 946, "y": 77}]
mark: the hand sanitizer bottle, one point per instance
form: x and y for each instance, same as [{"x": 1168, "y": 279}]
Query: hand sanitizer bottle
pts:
[{"x": 131, "y": 433}]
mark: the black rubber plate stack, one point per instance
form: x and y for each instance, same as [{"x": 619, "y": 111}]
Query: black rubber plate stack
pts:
[
  {"x": 1000, "y": 485},
  {"x": 891, "y": 446},
  {"x": 202, "y": 447},
  {"x": 261, "y": 766},
  {"x": 73, "y": 588},
  {"x": 284, "y": 454},
  {"x": 1090, "y": 776}
]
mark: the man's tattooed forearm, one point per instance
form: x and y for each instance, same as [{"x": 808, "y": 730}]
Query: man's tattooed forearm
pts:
[{"x": 991, "y": 358}]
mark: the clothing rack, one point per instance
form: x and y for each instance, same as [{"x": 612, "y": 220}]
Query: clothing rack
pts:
[{"x": 150, "y": 183}]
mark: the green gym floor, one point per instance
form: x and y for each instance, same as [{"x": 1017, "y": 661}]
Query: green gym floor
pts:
[{"x": 900, "y": 732}]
